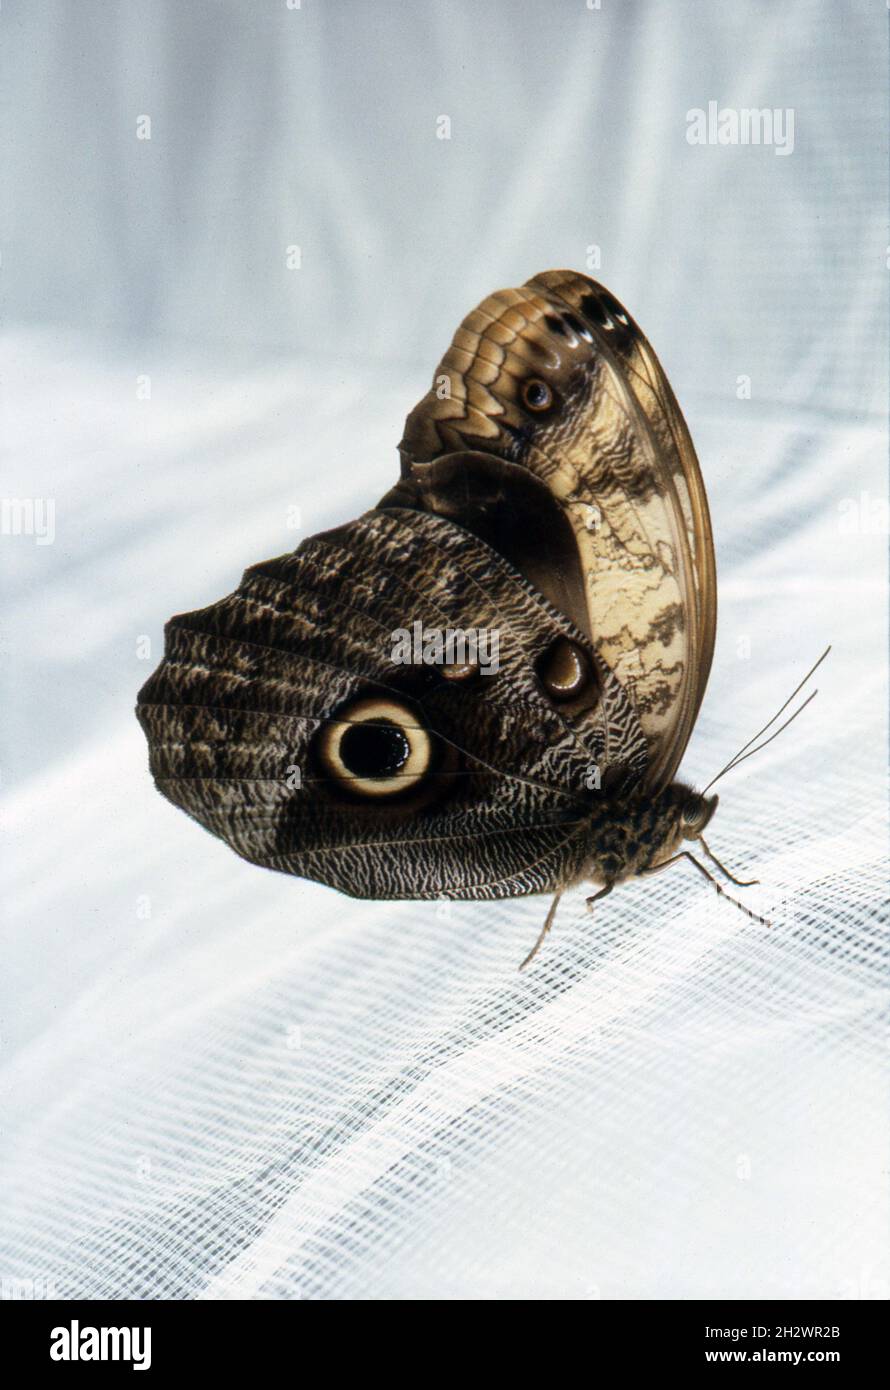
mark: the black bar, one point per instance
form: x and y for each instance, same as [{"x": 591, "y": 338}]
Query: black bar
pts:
[{"x": 233, "y": 1338}]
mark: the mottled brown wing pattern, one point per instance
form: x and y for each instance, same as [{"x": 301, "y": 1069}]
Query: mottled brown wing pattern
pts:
[
  {"x": 249, "y": 685},
  {"x": 557, "y": 378}
]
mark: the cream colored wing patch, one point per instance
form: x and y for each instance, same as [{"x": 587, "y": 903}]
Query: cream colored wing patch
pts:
[{"x": 557, "y": 377}]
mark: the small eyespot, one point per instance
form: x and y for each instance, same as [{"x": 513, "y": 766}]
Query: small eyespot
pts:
[
  {"x": 536, "y": 395},
  {"x": 565, "y": 670},
  {"x": 460, "y": 670},
  {"x": 375, "y": 748}
]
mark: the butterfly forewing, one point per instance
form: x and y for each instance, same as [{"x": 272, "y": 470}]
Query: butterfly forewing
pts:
[{"x": 557, "y": 378}]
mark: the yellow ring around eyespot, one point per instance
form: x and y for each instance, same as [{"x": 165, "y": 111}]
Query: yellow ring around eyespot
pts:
[{"x": 372, "y": 710}]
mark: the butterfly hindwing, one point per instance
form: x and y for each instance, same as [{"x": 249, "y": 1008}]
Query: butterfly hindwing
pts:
[{"x": 237, "y": 712}]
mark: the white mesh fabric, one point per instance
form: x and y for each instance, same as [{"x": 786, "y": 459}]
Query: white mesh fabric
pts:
[{"x": 219, "y": 1082}]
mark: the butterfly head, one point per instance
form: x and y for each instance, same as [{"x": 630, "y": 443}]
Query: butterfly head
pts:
[{"x": 695, "y": 814}]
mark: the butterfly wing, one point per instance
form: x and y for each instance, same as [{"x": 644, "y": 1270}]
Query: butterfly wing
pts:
[
  {"x": 557, "y": 379},
  {"x": 258, "y": 719}
]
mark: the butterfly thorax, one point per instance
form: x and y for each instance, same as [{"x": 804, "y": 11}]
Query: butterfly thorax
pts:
[{"x": 634, "y": 834}]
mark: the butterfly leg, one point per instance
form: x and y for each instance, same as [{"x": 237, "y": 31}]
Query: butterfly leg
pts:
[
  {"x": 596, "y": 896},
  {"x": 740, "y": 882},
  {"x": 548, "y": 923},
  {"x": 686, "y": 854}
]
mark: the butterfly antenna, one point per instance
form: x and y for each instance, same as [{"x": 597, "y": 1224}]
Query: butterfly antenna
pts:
[{"x": 743, "y": 752}]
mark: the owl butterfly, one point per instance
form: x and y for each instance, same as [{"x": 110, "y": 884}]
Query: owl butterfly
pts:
[{"x": 484, "y": 685}]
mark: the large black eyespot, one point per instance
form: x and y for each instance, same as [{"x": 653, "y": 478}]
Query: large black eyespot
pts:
[
  {"x": 374, "y": 747},
  {"x": 374, "y": 750},
  {"x": 536, "y": 394}
]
